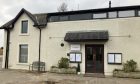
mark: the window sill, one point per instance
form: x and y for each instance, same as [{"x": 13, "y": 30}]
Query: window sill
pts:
[
  {"x": 23, "y": 34},
  {"x": 25, "y": 64}
]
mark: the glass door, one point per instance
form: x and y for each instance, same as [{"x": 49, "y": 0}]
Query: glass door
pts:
[{"x": 94, "y": 58}]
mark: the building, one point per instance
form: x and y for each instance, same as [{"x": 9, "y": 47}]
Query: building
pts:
[
  {"x": 1, "y": 51},
  {"x": 100, "y": 39}
]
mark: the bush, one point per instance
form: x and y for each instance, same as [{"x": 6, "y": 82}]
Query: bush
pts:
[
  {"x": 53, "y": 66},
  {"x": 63, "y": 63},
  {"x": 130, "y": 66}
]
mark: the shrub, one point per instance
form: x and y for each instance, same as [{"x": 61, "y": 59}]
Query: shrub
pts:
[
  {"x": 53, "y": 66},
  {"x": 130, "y": 66},
  {"x": 63, "y": 63}
]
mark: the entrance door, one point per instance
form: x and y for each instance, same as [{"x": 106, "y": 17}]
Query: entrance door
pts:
[{"x": 94, "y": 58}]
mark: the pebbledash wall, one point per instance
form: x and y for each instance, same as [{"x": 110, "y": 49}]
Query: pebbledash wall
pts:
[{"x": 53, "y": 35}]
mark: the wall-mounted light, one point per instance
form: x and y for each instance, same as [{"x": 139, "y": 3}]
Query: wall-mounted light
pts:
[{"x": 62, "y": 44}]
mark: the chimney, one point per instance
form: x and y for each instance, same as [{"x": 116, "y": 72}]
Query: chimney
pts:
[{"x": 109, "y": 4}]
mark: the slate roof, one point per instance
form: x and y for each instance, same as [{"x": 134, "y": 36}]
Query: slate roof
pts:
[
  {"x": 80, "y": 36},
  {"x": 98, "y": 10},
  {"x": 41, "y": 19},
  {"x": 6, "y": 25},
  {"x": 38, "y": 19}
]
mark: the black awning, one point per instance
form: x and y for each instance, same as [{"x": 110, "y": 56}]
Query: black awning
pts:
[{"x": 96, "y": 35}]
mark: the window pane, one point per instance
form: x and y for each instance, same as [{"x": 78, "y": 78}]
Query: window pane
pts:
[
  {"x": 54, "y": 18},
  {"x": 23, "y": 54},
  {"x": 99, "y": 15},
  {"x": 112, "y": 14},
  {"x": 63, "y": 18},
  {"x": 24, "y": 27},
  {"x": 138, "y": 13},
  {"x": 81, "y": 16},
  {"x": 126, "y": 13}
]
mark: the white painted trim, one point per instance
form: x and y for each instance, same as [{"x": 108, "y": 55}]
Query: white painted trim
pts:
[{"x": 23, "y": 64}]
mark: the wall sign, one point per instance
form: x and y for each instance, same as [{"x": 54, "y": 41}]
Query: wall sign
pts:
[
  {"x": 72, "y": 57},
  {"x": 118, "y": 58},
  {"x": 75, "y": 57},
  {"x": 75, "y": 47},
  {"x": 111, "y": 58},
  {"x": 78, "y": 57},
  {"x": 114, "y": 58}
]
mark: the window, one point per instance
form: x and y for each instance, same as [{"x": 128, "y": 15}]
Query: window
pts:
[
  {"x": 99, "y": 15},
  {"x": 24, "y": 28},
  {"x": 139, "y": 13},
  {"x": 54, "y": 18},
  {"x": 63, "y": 18},
  {"x": 81, "y": 16},
  {"x": 75, "y": 57},
  {"x": 23, "y": 53},
  {"x": 127, "y": 13},
  {"x": 112, "y": 14}
]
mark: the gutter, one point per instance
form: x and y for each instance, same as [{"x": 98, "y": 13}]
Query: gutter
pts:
[
  {"x": 7, "y": 46},
  {"x": 7, "y": 49},
  {"x": 39, "y": 55},
  {"x": 39, "y": 26},
  {"x": 39, "y": 48}
]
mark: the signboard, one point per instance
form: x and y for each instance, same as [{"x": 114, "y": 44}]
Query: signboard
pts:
[
  {"x": 114, "y": 58},
  {"x": 75, "y": 57},
  {"x": 111, "y": 58},
  {"x": 118, "y": 58},
  {"x": 78, "y": 58},
  {"x": 72, "y": 57},
  {"x": 75, "y": 47}
]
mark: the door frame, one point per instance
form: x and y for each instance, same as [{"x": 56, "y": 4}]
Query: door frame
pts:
[{"x": 86, "y": 45}]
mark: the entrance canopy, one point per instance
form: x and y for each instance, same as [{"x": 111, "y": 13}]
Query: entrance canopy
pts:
[{"x": 87, "y": 36}]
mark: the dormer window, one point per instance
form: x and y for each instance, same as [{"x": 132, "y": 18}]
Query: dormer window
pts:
[{"x": 24, "y": 27}]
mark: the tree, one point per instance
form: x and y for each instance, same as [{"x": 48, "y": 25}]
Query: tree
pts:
[{"x": 63, "y": 7}]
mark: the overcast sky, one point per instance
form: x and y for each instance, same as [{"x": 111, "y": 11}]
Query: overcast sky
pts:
[{"x": 10, "y": 8}]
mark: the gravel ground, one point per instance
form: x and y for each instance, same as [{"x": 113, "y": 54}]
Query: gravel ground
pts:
[
  {"x": 20, "y": 77},
  {"x": 74, "y": 79},
  {"x": 26, "y": 77}
]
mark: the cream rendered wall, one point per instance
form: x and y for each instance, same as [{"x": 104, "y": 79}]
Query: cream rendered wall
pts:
[
  {"x": 16, "y": 38},
  {"x": 128, "y": 46},
  {"x": 53, "y": 35}
]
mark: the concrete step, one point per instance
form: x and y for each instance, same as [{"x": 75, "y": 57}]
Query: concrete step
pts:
[{"x": 100, "y": 75}]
